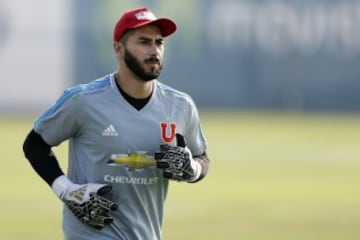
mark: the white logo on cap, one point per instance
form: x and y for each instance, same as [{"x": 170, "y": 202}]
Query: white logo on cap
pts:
[{"x": 146, "y": 15}]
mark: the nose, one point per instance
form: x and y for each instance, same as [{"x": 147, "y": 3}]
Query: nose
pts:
[
  {"x": 155, "y": 50},
  {"x": 154, "y": 53}
]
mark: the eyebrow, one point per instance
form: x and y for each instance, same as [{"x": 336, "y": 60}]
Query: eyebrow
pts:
[{"x": 161, "y": 39}]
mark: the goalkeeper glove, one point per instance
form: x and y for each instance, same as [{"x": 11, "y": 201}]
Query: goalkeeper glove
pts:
[
  {"x": 86, "y": 201},
  {"x": 177, "y": 161}
]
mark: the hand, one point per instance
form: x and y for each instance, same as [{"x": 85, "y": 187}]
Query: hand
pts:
[
  {"x": 177, "y": 161},
  {"x": 86, "y": 201}
]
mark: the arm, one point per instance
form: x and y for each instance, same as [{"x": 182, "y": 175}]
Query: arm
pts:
[
  {"x": 204, "y": 162},
  {"x": 41, "y": 158},
  {"x": 84, "y": 201}
]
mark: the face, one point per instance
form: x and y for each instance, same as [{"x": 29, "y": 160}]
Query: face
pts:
[{"x": 143, "y": 52}]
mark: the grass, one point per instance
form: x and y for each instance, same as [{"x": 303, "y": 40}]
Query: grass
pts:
[{"x": 273, "y": 176}]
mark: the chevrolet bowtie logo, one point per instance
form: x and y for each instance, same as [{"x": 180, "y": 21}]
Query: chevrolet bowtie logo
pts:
[{"x": 134, "y": 160}]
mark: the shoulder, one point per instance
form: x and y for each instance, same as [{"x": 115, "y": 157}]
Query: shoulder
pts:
[
  {"x": 171, "y": 93},
  {"x": 94, "y": 87},
  {"x": 71, "y": 101},
  {"x": 176, "y": 100},
  {"x": 72, "y": 97}
]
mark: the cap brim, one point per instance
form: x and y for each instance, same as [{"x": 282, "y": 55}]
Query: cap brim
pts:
[{"x": 167, "y": 26}]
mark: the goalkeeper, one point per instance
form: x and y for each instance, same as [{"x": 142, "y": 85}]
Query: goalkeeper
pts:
[{"x": 128, "y": 133}]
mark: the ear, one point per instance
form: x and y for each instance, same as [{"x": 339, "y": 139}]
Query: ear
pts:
[{"x": 118, "y": 48}]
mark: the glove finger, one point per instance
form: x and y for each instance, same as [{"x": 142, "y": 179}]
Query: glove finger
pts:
[
  {"x": 172, "y": 176},
  {"x": 98, "y": 217},
  {"x": 78, "y": 210},
  {"x": 106, "y": 204},
  {"x": 173, "y": 172},
  {"x": 102, "y": 219},
  {"x": 93, "y": 212},
  {"x": 159, "y": 155},
  {"x": 168, "y": 175},
  {"x": 180, "y": 140},
  {"x": 108, "y": 220},
  {"x": 94, "y": 222},
  {"x": 164, "y": 147},
  {"x": 104, "y": 190},
  {"x": 163, "y": 164},
  {"x": 97, "y": 226}
]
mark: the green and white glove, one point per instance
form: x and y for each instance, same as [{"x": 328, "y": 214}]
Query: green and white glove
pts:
[
  {"x": 177, "y": 161},
  {"x": 87, "y": 201}
]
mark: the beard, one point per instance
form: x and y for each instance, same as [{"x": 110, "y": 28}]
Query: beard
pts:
[{"x": 135, "y": 66}]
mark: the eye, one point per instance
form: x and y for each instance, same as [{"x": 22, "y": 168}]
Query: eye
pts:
[
  {"x": 144, "y": 41},
  {"x": 159, "y": 42}
]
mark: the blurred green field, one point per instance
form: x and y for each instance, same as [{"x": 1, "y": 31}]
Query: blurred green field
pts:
[{"x": 273, "y": 176}]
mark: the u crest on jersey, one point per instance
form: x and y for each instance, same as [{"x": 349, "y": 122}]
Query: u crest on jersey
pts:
[{"x": 168, "y": 131}]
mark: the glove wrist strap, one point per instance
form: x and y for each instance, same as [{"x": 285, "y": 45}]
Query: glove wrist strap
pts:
[
  {"x": 60, "y": 185},
  {"x": 197, "y": 170}
]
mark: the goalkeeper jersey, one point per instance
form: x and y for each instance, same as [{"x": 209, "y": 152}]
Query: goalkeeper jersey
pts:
[{"x": 111, "y": 142}]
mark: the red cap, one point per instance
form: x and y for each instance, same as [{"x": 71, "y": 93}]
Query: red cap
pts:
[{"x": 140, "y": 17}]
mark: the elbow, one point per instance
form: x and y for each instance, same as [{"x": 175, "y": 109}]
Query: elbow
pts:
[
  {"x": 34, "y": 147},
  {"x": 27, "y": 147}
]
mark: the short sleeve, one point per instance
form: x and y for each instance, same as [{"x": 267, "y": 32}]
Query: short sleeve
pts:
[
  {"x": 61, "y": 121},
  {"x": 194, "y": 135}
]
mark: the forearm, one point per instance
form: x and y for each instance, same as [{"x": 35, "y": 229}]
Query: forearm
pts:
[
  {"x": 204, "y": 163},
  {"x": 41, "y": 158},
  {"x": 91, "y": 207}
]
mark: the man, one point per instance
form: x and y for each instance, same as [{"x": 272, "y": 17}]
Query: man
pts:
[{"x": 128, "y": 136}]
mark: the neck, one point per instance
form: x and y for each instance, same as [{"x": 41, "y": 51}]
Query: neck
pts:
[{"x": 134, "y": 87}]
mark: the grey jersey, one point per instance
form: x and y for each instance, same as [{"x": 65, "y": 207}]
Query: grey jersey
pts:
[{"x": 111, "y": 142}]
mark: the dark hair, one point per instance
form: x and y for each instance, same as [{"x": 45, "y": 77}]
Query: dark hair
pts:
[{"x": 126, "y": 35}]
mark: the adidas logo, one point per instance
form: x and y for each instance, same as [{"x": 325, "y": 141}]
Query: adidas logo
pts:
[{"x": 110, "y": 131}]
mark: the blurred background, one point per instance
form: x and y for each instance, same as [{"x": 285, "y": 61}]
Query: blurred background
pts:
[
  {"x": 277, "y": 86},
  {"x": 287, "y": 55}
]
